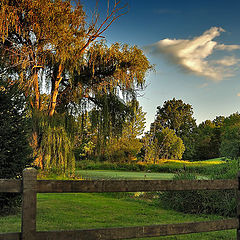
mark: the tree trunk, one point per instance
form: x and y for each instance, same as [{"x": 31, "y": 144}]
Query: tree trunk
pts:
[
  {"x": 35, "y": 146},
  {"x": 36, "y": 89},
  {"x": 54, "y": 93}
]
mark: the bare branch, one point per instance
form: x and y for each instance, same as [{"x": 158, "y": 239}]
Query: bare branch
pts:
[{"x": 111, "y": 16}]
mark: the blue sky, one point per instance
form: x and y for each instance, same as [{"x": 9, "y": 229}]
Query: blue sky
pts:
[{"x": 195, "y": 46}]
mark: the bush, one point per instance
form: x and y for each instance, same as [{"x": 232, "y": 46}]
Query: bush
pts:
[
  {"x": 169, "y": 167},
  {"x": 15, "y": 151},
  {"x": 91, "y": 165},
  {"x": 220, "y": 202}
]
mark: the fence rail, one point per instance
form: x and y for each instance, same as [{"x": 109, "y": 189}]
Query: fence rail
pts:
[
  {"x": 30, "y": 186},
  {"x": 10, "y": 185},
  {"x": 132, "y": 232},
  {"x": 97, "y": 186}
]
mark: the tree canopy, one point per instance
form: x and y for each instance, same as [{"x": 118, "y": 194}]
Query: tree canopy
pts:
[
  {"x": 175, "y": 115},
  {"x": 51, "y": 48},
  {"x": 178, "y": 116},
  {"x": 230, "y": 145},
  {"x": 49, "y": 44},
  {"x": 170, "y": 145}
]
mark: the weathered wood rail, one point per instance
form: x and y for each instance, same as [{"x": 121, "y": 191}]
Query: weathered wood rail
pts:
[{"x": 30, "y": 186}]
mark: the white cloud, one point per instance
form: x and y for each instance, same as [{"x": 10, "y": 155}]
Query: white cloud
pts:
[
  {"x": 192, "y": 54},
  {"x": 227, "y": 47},
  {"x": 227, "y": 61}
]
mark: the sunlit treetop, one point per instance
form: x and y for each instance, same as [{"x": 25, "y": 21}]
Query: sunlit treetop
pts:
[{"x": 52, "y": 42}]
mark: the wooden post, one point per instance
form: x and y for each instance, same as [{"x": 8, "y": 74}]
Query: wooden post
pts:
[
  {"x": 238, "y": 206},
  {"x": 29, "y": 205}
]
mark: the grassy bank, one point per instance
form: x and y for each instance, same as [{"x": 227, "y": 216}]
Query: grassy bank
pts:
[
  {"x": 81, "y": 211},
  {"x": 162, "y": 166}
]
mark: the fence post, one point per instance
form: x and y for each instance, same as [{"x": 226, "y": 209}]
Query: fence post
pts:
[
  {"x": 29, "y": 205},
  {"x": 238, "y": 206}
]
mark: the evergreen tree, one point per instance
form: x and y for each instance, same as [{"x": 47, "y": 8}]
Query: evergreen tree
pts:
[{"x": 15, "y": 152}]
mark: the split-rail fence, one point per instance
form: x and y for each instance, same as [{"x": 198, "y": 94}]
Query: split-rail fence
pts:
[{"x": 29, "y": 186}]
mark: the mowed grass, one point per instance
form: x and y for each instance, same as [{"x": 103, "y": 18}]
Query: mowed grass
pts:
[
  {"x": 85, "y": 210},
  {"x": 112, "y": 174}
]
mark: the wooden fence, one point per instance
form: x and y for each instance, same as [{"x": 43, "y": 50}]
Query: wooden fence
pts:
[{"x": 30, "y": 186}]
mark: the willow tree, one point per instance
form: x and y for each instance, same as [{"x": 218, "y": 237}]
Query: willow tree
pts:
[
  {"x": 51, "y": 48},
  {"x": 124, "y": 148}
]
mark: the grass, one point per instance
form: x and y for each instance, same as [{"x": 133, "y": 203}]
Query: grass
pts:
[
  {"x": 193, "y": 163},
  {"x": 110, "y": 174},
  {"x": 83, "y": 211},
  {"x": 163, "y": 166}
]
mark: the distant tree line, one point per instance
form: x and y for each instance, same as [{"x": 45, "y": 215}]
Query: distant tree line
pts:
[{"x": 210, "y": 139}]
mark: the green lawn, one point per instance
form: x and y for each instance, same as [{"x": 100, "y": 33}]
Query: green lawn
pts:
[
  {"x": 81, "y": 211},
  {"x": 111, "y": 174}
]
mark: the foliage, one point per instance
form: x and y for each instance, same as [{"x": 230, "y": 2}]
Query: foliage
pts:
[
  {"x": 163, "y": 166},
  {"x": 231, "y": 136},
  {"x": 221, "y": 202},
  {"x": 230, "y": 146},
  {"x": 123, "y": 149},
  {"x": 190, "y": 146},
  {"x": 107, "y": 122},
  {"x": 149, "y": 151},
  {"x": 93, "y": 165},
  {"x": 85, "y": 137},
  {"x": 126, "y": 147},
  {"x": 207, "y": 140},
  {"x": 231, "y": 120},
  {"x": 56, "y": 145},
  {"x": 15, "y": 152},
  {"x": 170, "y": 146},
  {"x": 163, "y": 144},
  {"x": 176, "y": 115},
  {"x": 50, "y": 47},
  {"x": 115, "y": 140},
  {"x": 135, "y": 123}
]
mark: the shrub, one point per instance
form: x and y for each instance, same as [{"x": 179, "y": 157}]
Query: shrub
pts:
[
  {"x": 15, "y": 151},
  {"x": 220, "y": 202},
  {"x": 169, "y": 166}
]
